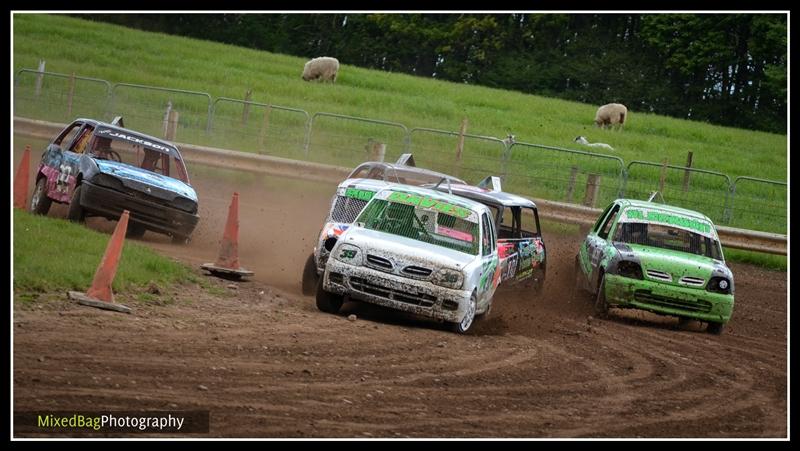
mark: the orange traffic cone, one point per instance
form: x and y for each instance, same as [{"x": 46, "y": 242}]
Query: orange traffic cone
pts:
[
  {"x": 99, "y": 294},
  {"x": 21, "y": 179},
  {"x": 227, "y": 265}
]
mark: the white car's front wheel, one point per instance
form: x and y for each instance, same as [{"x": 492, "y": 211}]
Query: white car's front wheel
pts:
[{"x": 463, "y": 326}]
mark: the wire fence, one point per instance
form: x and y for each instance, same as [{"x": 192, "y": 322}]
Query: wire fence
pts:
[
  {"x": 534, "y": 170},
  {"x": 758, "y": 204},
  {"x": 59, "y": 97},
  {"x": 466, "y": 156},
  {"x": 566, "y": 175},
  {"x": 690, "y": 188},
  {"x": 259, "y": 127}
]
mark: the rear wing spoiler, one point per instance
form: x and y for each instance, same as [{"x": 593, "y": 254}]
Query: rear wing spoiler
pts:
[
  {"x": 406, "y": 159},
  {"x": 492, "y": 183},
  {"x": 654, "y": 195}
]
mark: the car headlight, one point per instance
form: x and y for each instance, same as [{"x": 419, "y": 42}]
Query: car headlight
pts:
[
  {"x": 448, "y": 278},
  {"x": 185, "y": 204},
  {"x": 629, "y": 269},
  {"x": 719, "y": 285},
  {"x": 347, "y": 253},
  {"x": 108, "y": 181}
]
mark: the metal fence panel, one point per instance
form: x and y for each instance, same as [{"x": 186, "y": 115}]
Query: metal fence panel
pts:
[
  {"x": 759, "y": 204},
  {"x": 564, "y": 174},
  {"x": 347, "y": 140},
  {"x": 535, "y": 170},
  {"x": 481, "y": 156},
  {"x": 258, "y": 127},
  {"x": 59, "y": 97},
  {"x": 704, "y": 191},
  {"x": 145, "y": 108}
]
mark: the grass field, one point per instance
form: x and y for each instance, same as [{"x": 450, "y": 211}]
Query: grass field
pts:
[
  {"x": 57, "y": 255},
  {"x": 121, "y": 55}
]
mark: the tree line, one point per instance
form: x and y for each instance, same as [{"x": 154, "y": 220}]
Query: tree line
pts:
[{"x": 727, "y": 69}]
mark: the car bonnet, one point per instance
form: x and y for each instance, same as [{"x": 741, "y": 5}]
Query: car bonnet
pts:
[{"x": 124, "y": 172}]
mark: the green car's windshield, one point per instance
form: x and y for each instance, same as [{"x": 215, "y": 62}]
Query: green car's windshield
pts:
[
  {"x": 426, "y": 225},
  {"x": 667, "y": 237}
]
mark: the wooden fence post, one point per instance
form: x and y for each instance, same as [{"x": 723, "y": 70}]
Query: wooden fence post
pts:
[
  {"x": 573, "y": 175},
  {"x": 172, "y": 126},
  {"x": 663, "y": 177},
  {"x": 246, "y": 109},
  {"x": 592, "y": 190},
  {"x": 687, "y": 173},
  {"x": 460, "y": 147},
  {"x": 376, "y": 150},
  {"x": 39, "y": 78},
  {"x": 70, "y": 94}
]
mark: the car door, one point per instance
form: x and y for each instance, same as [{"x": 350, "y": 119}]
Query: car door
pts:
[
  {"x": 598, "y": 242},
  {"x": 589, "y": 243},
  {"x": 72, "y": 154},
  {"x": 490, "y": 270},
  {"x": 58, "y": 163},
  {"x": 530, "y": 244}
]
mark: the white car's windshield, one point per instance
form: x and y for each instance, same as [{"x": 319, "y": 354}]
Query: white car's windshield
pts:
[{"x": 423, "y": 224}]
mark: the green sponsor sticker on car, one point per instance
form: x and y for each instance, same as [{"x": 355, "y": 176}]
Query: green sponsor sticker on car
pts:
[
  {"x": 666, "y": 218},
  {"x": 429, "y": 203},
  {"x": 361, "y": 194}
]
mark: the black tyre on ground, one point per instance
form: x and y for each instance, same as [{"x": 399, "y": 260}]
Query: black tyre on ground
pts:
[
  {"x": 179, "y": 239},
  {"x": 328, "y": 302},
  {"x": 715, "y": 328},
  {"x": 40, "y": 203},
  {"x": 684, "y": 323},
  {"x": 578, "y": 293},
  {"x": 310, "y": 276},
  {"x": 76, "y": 212},
  {"x": 135, "y": 230},
  {"x": 600, "y": 304},
  {"x": 463, "y": 326}
]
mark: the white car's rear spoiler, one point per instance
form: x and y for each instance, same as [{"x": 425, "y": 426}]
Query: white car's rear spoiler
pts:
[
  {"x": 406, "y": 159},
  {"x": 492, "y": 183}
]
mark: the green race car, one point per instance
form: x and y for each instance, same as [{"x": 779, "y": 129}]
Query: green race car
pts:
[{"x": 656, "y": 257}]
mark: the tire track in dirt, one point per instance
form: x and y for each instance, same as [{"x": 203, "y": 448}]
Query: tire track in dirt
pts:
[{"x": 272, "y": 365}]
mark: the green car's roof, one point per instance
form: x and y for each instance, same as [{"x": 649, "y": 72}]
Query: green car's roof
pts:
[{"x": 664, "y": 207}]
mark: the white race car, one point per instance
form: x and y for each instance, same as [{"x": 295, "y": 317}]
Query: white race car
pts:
[
  {"x": 417, "y": 250},
  {"x": 352, "y": 195}
]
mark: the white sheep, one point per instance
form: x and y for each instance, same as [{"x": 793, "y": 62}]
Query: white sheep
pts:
[
  {"x": 611, "y": 114},
  {"x": 585, "y": 142},
  {"x": 323, "y": 68}
]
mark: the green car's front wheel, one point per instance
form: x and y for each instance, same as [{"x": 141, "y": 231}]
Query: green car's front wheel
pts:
[
  {"x": 600, "y": 303},
  {"x": 715, "y": 328}
]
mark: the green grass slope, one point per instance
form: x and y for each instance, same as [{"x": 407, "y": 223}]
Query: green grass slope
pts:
[
  {"x": 122, "y": 55},
  {"x": 55, "y": 254}
]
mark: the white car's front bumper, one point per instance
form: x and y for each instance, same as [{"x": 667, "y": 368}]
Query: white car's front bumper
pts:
[{"x": 400, "y": 293}]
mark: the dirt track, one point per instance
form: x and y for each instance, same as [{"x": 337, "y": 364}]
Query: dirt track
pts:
[{"x": 274, "y": 366}]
